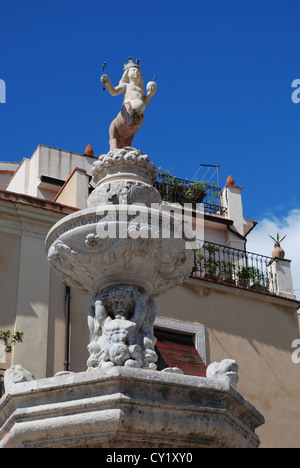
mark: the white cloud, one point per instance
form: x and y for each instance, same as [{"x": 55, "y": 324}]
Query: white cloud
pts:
[{"x": 289, "y": 225}]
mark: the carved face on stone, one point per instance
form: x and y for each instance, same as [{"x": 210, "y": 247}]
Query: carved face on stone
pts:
[
  {"x": 122, "y": 304},
  {"x": 135, "y": 75}
]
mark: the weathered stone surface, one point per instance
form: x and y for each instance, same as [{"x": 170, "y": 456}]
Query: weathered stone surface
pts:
[
  {"x": 121, "y": 163},
  {"x": 128, "y": 191},
  {"x": 224, "y": 370},
  {"x": 124, "y": 176},
  {"x": 16, "y": 374},
  {"x": 125, "y": 407},
  {"x": 121, "y": 325},
  {"x": 95, "y": 248}
]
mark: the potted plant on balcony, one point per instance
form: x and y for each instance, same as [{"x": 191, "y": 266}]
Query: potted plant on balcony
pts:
[
  {"x": 251, "y": 277},
  {"x": 244, "y": 277},
  {"x": 180, "y": 190},
  {"x": 194, "y": 192},
  {"x": 208, "y": 262},
  {"x": 200, "y": 263},
  {"x": 258, "y": 280},
  {"x": 278, "y": 252},
  {"x": 227, "y": 272}
]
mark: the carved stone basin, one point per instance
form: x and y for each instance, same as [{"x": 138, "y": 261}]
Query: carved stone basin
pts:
[{"x": 108, "y": 245}]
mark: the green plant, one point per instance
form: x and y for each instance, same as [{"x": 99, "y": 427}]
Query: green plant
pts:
[
  {"x": 208, "y": 262},
  {"x": 250, "y": 274},
  {"x": 182, "y": 190},
  {"x": 227, "y": 270},
  {"x": 194, "y": 191},
  {"x": 10, "y": 339},
  {"x": 277, "y": 240}
]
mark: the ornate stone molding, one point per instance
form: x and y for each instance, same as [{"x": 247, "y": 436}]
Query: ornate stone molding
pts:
[
  {"x": 147, "y": 255},
  {"x": 119, "y": 163},
  {"x": 124, "y": 191}
]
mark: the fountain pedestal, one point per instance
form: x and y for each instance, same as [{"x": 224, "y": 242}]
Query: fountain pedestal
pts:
[{"x": 127, "y": 408}]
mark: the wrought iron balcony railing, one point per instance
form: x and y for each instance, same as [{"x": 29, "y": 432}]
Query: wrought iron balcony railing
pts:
[
  {"x": 175, "y": 190},
  {"x": 236, "y": 267}
]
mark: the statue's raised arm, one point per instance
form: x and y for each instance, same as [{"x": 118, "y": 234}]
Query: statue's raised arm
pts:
[
  {"x": 114, "y": 91},
  {"x": 131, "y": 117}
]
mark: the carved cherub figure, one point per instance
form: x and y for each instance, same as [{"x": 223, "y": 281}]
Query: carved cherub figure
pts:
[{"x": 131, "y": 117}]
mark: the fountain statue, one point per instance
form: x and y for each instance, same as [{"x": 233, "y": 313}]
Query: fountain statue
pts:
[
  {"x": 131, "y": 117},
  {"x": 123, "y": 250}
]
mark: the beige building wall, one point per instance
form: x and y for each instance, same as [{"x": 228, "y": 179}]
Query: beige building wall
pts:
[
  {"x": 25, "y": 285},
  {"x": 257, "y": 330},
  {"x": 77, "y": 354},
  {"x": 75, "y": 191},
  {"x": 47, "y": 162},
  {"x": 7, "y": 169}
]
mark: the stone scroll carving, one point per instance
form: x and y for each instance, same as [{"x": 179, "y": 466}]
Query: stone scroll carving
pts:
[{"x": 16, "y": 374}]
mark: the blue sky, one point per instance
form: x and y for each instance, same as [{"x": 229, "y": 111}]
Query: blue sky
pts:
[{"x": 224, "y": 69}]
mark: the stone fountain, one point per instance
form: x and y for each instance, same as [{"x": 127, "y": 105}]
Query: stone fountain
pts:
[{"x": 124, "y": 251}]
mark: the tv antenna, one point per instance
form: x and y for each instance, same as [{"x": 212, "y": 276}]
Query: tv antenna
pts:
[{"x": 209, "y": 168}]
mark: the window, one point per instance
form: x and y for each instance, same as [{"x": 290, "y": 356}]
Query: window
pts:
[{"x": 180, "y": 344}]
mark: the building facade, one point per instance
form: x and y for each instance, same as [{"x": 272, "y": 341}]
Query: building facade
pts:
[{"x": 235, "y": 304}]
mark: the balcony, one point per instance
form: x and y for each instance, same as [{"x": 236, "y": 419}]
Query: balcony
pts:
[
  {"x": 175, "y": 190},
  {"x": 219, "y": 263},
  {"x": 235, "y": 267}
]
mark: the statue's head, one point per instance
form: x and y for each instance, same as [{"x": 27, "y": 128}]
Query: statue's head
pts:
[
  {"x": 122, "y": 303},
  {"x": 131, "y": 64},
  {"x": 132, "y": 72}
]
